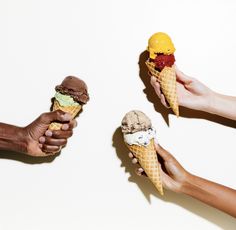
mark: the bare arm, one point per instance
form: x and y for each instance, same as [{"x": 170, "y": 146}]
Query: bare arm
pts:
[
  {"x": 12, "y": 138},
  {"x": 213, "y": 194},
  {"x": 223, "y": 105}
]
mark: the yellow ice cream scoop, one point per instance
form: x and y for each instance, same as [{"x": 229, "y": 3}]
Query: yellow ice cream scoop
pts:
[{"x": 160, "y": 43}]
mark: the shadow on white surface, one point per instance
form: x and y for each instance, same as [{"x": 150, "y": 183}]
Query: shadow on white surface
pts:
[
  {"x": 9, "y": 155},
  {"x": 184, "y": 112},
  {"x": 198, "y": 208}
]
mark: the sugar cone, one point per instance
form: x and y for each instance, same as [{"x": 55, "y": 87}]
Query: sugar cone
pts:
[
  {"x": 73, "y": 110},
  {"x": 152, "y": 70},
  {"x": 147, "y": 158},
  {"x": 167, "y": 79}
]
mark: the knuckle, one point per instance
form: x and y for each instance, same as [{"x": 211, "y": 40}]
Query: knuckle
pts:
[
  {"x": 58, "y": 113},
  {"x": 43, "y": 116}
]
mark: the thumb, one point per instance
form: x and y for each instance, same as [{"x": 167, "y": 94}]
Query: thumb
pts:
[
  {"x": 182, "y": 77},
  {"x": 57, "y": 115}
]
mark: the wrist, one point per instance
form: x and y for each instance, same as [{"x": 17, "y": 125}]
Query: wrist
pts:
[
  {"x": 209, "y": 102},
  {"x": 212, "y": 102},
  {"x": 187, "y": 184},
  {"x": 193, "y": 186},
  {"x": 12, "y": 138}
]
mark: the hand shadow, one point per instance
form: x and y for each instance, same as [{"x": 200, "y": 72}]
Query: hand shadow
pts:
[
  {"x": 10, "y": 155},
  {"x": 147, "y": 188},
  {"x": 184, "y": 112}
]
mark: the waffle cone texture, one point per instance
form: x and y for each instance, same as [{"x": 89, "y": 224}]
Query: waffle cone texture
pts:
[
  {"x": 167, "y": 79},
  {"x": 73, "y": 110},
  {"x": 147, "y": 158}
]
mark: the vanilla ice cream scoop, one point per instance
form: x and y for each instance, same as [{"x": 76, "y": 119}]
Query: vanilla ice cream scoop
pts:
[{"x": 141, "y": 138}]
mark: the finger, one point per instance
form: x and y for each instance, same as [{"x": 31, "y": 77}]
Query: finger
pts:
[
  {"x": 130, "y": 155},
  {"x": 56, "y": 115},
  {"x": 51, "y": 149},
  {"x": 72, "y": 124},
  {"x": 55, "y": 142},
  {"x": 140, "y": 172},
  {"x": 153, "y": 80},
  {"x": 166, "y": 156},
  {"x": 163, "y": 101},
  {"x": 42, "y": 140},
  {"x": 182, "y": 77},
  {"x": 60, "y": 134},
  {"x": 156, "y": 87},
  {"x": 65, "y": 127},
  {"x": 134, "y": 160},
  {"x": 48, "y": 133}
]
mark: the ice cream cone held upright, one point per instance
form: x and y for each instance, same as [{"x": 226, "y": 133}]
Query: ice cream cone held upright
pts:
[
  {"x": 139, "y": 137},
  {"x": 160, "y": 65},
  {"x": 70, "y": 96}
]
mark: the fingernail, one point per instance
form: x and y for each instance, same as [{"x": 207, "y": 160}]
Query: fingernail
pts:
[
  {"x": 134, "y": 161},
  {"x": 67, "y": 116},
  {"x": 48, "y": 133},
  {"x": 42, "y": 140},
  {"x": 153, "y": 79},
  {"x": 137, "y": 172},
  {"x": 75, "y": 124},
  {"x": 65, "y": 127},
  {"x": 140, "y": 170},
  {"x": 130, "y": 155}
]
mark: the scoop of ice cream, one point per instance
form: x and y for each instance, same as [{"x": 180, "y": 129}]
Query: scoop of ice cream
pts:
[
  {"x": 135, "y": 121},
  {"x": 141, "y": 138},
  {"x": 163, "y": 60},
  {"x": 65, "y": 100},
  {"x": 160, "y": 43},
  {"x": 74, "y": 87}
]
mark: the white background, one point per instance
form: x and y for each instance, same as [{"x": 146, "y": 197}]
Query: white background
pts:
[{"x": 92, "y": 184}]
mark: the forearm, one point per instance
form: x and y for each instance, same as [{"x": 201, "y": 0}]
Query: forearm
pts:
[
  {"x": 213, "y": 194},
  {"x": 12, "y": 138},
  {"x": 222, "y": 105}
]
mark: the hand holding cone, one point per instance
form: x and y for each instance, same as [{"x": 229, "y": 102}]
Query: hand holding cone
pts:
[{"x": 167, "y": 79}]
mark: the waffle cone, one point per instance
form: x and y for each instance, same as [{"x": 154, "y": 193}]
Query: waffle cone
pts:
[
  {"x": 147, "y": 158},
  {"x": 73, "y": 110},
  {"x": 167, "y": 79}
]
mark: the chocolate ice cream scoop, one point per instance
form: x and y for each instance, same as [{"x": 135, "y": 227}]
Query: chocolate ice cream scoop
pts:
[{"x": 74, "y": 87}]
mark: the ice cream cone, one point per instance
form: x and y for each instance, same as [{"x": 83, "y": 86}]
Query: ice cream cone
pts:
[
  {"x": 73, "y": 110},
  {"x": 147, "y": 158},
  {"x": 152, "y": 70},
  {"x": 167, "y": 79}
]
